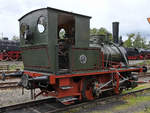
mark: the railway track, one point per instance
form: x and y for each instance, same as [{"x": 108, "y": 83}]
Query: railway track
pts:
[
  {"x": 7, "y": 72},
  {"x": 8, "y": 85},
  {"x": 51, "y": 106}
]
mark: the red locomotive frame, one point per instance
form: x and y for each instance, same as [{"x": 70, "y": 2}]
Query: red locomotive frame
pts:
[{"x": 82, "y": 89}]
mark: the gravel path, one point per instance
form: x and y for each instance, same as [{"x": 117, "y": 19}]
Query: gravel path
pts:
[
  {"x": 14, "y": 96},
  {"x": 11, "y": 96}
]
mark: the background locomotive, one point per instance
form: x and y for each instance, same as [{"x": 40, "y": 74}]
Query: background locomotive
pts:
[
  {"x": 133, "y": 54},
  {"x": 9, "y": 50},
  {"x": 59, "y": 60},
  {"x": 145, "y": 53},
  {"x": 137, "y": 54}
]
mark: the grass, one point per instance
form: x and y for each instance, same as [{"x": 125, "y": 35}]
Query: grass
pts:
[
  {"x": 146, "y": 110},
  {"x": 14, "y": 67},
  {"x": 142, "y": 86},
  {"x": 131, "y": 100},
  {"x": 147, "y": 62},
  {"x": 102, "y": 112}
]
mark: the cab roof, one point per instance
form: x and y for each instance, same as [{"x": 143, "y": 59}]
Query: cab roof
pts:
[{"x": 58, "y": 10}]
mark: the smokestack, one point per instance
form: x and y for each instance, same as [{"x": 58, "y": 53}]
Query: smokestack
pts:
[{"x": 116, "y": 32}]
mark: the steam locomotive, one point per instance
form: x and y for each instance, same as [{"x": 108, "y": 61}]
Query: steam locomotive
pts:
[
  {"x": 137, "y": 54},
  {"x": 145, "y": 53},
  {"x": 9, "y": 50},
  {"x": 60, "y": 60}
]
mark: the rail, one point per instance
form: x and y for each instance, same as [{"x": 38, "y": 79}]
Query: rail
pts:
[
  {"x": 7, "y": 72},
  {"x": 51, "y": 106},
  {"x": 9, "y": 85}
]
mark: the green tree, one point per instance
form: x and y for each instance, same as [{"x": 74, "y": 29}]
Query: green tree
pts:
[
  {"x": 148, "y": 45},
  {"x": 143, "y": 43},
  {"x": 15, "y": 38},
  {"x": 139, "y": 41},
  {"x": 101, "y": 31},
  {"x": 93, "y": 31},
  {"x": 129, "y": 42},
  {"x": 136, "y": 41}
]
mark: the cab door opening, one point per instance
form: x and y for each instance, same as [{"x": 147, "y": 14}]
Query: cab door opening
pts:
[{"x": 66, "y": 39}]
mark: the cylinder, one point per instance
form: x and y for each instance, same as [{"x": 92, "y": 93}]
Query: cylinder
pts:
[{"x": 115, "y": 32}]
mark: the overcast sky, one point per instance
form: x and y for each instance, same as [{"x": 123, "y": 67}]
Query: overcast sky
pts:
[{"x": 132, "y": 14}]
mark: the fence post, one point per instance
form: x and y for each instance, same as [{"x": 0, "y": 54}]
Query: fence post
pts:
[{"x": 7, "y": 67}]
